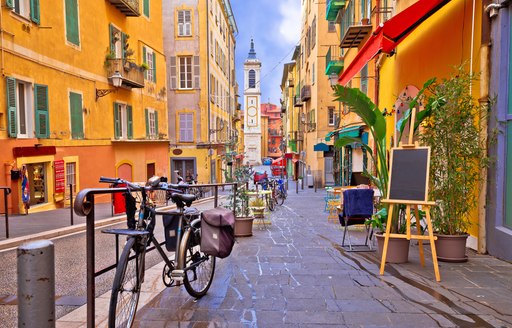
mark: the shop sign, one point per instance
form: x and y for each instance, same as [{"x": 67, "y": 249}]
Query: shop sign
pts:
[{"x": 60, "y": 186}]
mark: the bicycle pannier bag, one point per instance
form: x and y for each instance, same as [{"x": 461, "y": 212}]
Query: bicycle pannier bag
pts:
[
  {"x": 171, "y": 221},
  {"x": 217, "y": 232}
]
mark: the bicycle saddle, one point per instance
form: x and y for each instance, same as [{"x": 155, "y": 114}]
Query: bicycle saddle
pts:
[{"x": 183, "y": 199}]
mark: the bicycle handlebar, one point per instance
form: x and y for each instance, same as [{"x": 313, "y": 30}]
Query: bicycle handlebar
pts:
[{"x": 179, "y": 188}]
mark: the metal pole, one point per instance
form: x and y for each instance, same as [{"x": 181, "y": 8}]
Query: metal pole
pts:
[
  {"x": 7, "y": 191},
  {"x": 36, "y": 284},
  {"x": 91, "y": 287},
  {"x": 235, "y": 189},
  {"x": 71, "y": 202},
  {"x": 216, "y": 199},
  {"x": 297, "y": 187}
]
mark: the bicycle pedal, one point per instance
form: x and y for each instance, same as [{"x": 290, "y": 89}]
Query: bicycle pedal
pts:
[{"x": 178, "y": 275}]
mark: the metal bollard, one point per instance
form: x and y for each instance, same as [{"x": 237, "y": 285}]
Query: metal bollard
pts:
[{"x": 36, "y": 284}]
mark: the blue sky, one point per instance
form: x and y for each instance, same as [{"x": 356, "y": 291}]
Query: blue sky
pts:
[{"x": 275, "y": 27}]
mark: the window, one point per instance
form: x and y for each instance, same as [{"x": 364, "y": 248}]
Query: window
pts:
[
  {"x": 331, "y": 27},
  {"x": 332, "y": 116},
  {"x": 71, "y": 175},
  {"x": 146, "y": 8},
  {"x": 26, "y": 8},
  {"x": 151, "y": 124},
  {"x": 123, "y": 121},
  {"x": 313, "y": 73},
  {"x": 150, "y": 61},
  {"x": 313, "y": 33},
  {"x": 72, "y": 25},
  {"x": 76, "y": 115},
  {"x": 366, "y": 9},
  {"x": 186, "y": 127},
  {"x": 252, "y": 79},
  {"x": 364, "y": 79},
  {"x": 117, "y": 41},
  {"x": 185, "y": 72},
  {"x": 27, "y": 111},
  {"x": 184, "y": 23}
]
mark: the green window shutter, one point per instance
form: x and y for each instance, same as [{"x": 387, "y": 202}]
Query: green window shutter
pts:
[
  {"x": 9, "y": 4},
  {"x": 146, "y": 112},
  {"x": 124, "y": 40},
  {"x": 41, "y": 109},
  {"x": 145, "y": 61},
  {"x": 112, "y": 42},
  {"x": 117, "y": 121},
  {"x": 72, "y": 34},
  {"x": 12, "y": 111},
  {"x": 154, "y": 67},
  {"x": 34, "y": 11},
  {"x": 146, "y": 8},
  {"x": 77, "y": 118},
  {"x": 129, "y": 121},
  {"x": 156, "y": 124}
]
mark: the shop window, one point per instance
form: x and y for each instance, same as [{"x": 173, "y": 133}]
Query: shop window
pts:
[{"x": 37, "y": 182}]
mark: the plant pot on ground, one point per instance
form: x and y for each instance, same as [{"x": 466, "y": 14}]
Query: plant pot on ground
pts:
[
  {"x": 453, "y": 131},
  {"x": 243, "y": 219},
  {"x": 398, "y": 249}
]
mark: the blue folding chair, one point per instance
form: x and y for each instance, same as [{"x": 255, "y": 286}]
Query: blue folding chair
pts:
[{"x": 357, "y": 208}]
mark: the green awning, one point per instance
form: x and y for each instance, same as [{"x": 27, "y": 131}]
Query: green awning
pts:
[{"x": 352, "y": 131}]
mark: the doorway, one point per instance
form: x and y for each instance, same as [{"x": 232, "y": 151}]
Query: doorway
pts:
[{"x": 185, "y": 167}]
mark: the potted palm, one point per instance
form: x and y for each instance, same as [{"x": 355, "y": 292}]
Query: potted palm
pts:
[
  {"x": 257, "y": 206},
  {"x": 458, "y": 155}
]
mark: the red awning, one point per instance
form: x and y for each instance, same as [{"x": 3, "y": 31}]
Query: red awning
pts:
[{"x": 388, "y": 35}]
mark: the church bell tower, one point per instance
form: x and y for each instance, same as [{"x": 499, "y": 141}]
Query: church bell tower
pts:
[{"x": 252, "y": 112}]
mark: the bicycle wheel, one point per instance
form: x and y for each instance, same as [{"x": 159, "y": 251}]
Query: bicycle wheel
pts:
[
  {"x": 280, "y": 197},
  {"x": 199, "y": 267},
  {"x": 271, "y": 203},
  {"x": 126, "y": 287}
]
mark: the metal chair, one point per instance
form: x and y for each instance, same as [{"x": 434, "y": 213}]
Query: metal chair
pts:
[{"x": 357, "y": 208}]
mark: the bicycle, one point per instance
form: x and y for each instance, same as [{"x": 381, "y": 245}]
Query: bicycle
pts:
[
  {"x": 266, "y": 184},
  {"x": 191, "y": 267},
  {"x": 279, "y": 191}
]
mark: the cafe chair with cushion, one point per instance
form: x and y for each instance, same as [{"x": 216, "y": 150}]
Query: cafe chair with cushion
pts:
[{"x": 357, "y": 208}]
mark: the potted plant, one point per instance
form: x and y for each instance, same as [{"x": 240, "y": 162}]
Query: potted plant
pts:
[
  {"x": 243, "y": 219},
  {"x": 458, "y": 155},
  {"x": 257, "y": 206}
]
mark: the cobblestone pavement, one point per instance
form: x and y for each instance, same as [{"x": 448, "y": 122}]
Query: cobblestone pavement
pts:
[{"x": 294, "y": 273}]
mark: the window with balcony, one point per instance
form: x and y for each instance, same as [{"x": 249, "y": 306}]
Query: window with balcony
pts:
[{"x": 184, "y": 23}]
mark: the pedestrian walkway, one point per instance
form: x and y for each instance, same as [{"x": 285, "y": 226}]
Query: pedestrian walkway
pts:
[{"x": 294, "y": 273}]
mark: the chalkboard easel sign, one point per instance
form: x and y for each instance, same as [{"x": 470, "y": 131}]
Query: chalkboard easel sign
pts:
[
  {"x": 408, "y": 185},
  {"x": 408, "y": 179}
]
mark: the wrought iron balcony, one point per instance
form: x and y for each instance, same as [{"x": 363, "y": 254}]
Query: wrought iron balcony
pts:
[
  {"x": 129, "y": 8},
  {"x": 332, "y": 9},
  {"x": 133, "y": 75},
  {"x": 353, "y": 33},
  {"x": 333, "y": 61},
  {"x": 305, "y": 93}
]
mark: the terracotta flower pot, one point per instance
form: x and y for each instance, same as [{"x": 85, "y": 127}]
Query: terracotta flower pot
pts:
[
  {"x": 451, "y": 248},
  {"x": 243, "y": 227},
  {"x": 398, "y": 249}
]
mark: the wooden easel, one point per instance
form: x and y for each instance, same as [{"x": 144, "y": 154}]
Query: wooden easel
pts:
[{"x": 413, "y": 196}]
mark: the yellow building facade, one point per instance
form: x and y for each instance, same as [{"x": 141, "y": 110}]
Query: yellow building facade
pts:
[
  {"x": 84, "y": 81},
  {"x": 200, "y": 46}
]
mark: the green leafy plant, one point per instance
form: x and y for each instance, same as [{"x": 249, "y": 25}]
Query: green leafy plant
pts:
[
  {"x": 144, "y": 67},
  {"x": 257, "y": 202},
  {"x": 241, "y": 176},
  {"x": 458, "y": 151}
]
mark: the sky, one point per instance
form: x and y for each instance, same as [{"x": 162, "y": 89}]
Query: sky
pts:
[{"x": 275, "y": 27}]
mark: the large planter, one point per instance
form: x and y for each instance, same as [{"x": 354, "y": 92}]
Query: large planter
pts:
[
  {"x": 243, "y": 227},
  {"x": 398, "y": 249},
  {"x": 451, "y": 248}
]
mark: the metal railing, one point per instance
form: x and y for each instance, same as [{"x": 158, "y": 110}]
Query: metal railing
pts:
[
  {"x": 7, "y": 191},
  {"x": 84, "y": 206}
]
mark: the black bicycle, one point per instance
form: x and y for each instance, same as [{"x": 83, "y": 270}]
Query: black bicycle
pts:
[{"x": 192, "y": 267}]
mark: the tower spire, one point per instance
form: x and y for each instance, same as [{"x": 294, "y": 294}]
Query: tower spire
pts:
[{"x": 252, "y": 53}]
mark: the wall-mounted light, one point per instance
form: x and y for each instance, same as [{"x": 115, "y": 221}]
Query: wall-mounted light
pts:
[
  {"x": 333, "y": 79},
  {"x": 117, "y": 80},
  {"x": 221, "y": 123}
]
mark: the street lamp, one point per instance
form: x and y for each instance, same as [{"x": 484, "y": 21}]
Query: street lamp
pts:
[
  {"x": 333, "y": 79},
  {"x": 117, "y": 80}
]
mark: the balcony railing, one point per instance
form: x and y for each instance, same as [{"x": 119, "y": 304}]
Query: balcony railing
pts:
[
  {"x": 133, "y": 75},
  {"x": 353, "y": 33},
  {"x": 384, "y": 13},
  {"x": 305, "y": 93},
  {"x": 332, "y": 9},
  {"x": 127, "y": 7},
  {"x": 297, "y": 102},
  {"x": 333, "y": 61}
]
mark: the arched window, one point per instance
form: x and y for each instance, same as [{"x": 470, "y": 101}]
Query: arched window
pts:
[{"x": 252, "y": 79}]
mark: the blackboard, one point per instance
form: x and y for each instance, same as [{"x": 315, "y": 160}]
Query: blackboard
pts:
[{"x": 409, "y": 174}]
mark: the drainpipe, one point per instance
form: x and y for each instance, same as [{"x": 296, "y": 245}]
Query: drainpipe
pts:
[
  {"x": 2, "y": 68},
  {"x": 208, "y": 68}
]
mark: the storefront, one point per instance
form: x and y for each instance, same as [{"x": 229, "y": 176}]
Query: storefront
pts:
[{"x": 37, "y": 178}]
